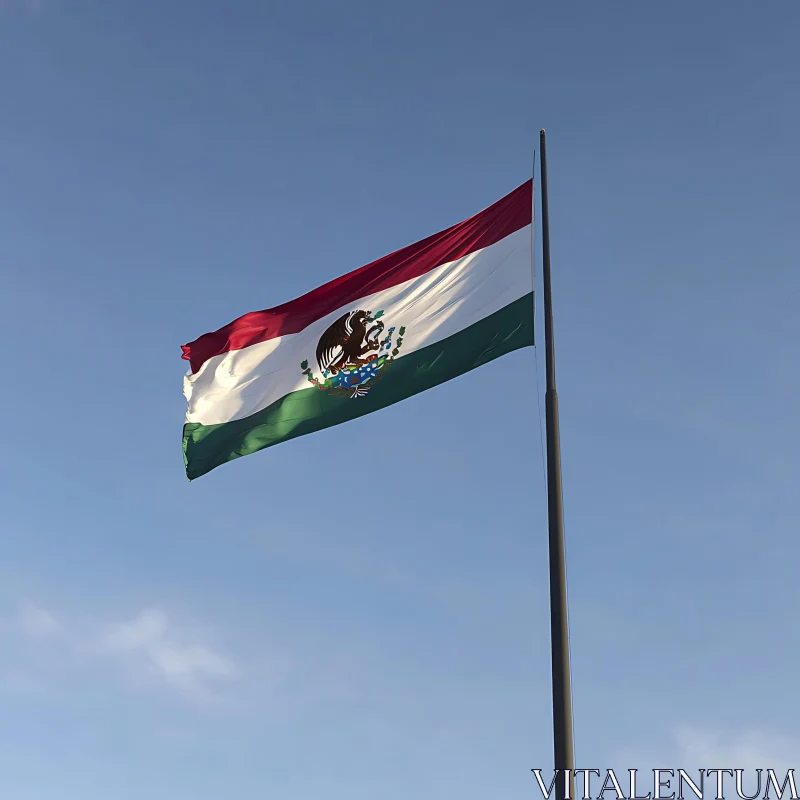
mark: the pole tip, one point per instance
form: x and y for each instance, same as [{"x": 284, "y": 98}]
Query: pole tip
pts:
[{"x": 542, "y": 130}]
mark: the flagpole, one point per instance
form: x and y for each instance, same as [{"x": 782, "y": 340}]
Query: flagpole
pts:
[{"x": 559, "y": 630}]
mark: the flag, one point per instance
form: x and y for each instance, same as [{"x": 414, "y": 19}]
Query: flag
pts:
[{"x": 396, "y": 327}]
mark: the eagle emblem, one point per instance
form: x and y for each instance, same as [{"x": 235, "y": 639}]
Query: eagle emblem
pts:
[{"x": 353, "y": 353}]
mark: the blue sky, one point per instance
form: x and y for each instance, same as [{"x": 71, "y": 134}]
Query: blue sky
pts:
[{"x": 264, "y": 632}]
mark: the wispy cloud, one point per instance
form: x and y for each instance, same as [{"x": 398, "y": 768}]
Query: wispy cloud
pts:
[
  {"x": 694, "y": 747},
  {"x": 38, "y": 622},
  {"x": 148, "y": 650},
  {"x": 148, "y": 642},
  {"x": 747, "y": 749}
]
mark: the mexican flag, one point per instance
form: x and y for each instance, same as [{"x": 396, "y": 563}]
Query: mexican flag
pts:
[{"x": 402, "y": 324}]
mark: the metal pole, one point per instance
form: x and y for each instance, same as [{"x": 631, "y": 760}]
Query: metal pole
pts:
[{"x": 559, "y": 632}]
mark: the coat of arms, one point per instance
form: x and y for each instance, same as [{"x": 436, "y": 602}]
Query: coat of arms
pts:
[{"x": 354, "y": 353}]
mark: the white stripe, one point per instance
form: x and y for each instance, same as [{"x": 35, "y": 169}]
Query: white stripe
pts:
[{"x": 431, "y": 308}]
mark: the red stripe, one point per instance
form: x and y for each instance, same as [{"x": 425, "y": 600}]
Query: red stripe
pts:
[{"x": 487, "y": 227}]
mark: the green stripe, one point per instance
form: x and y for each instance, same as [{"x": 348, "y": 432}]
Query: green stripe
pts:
[{"x": 308, "y": 410}]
